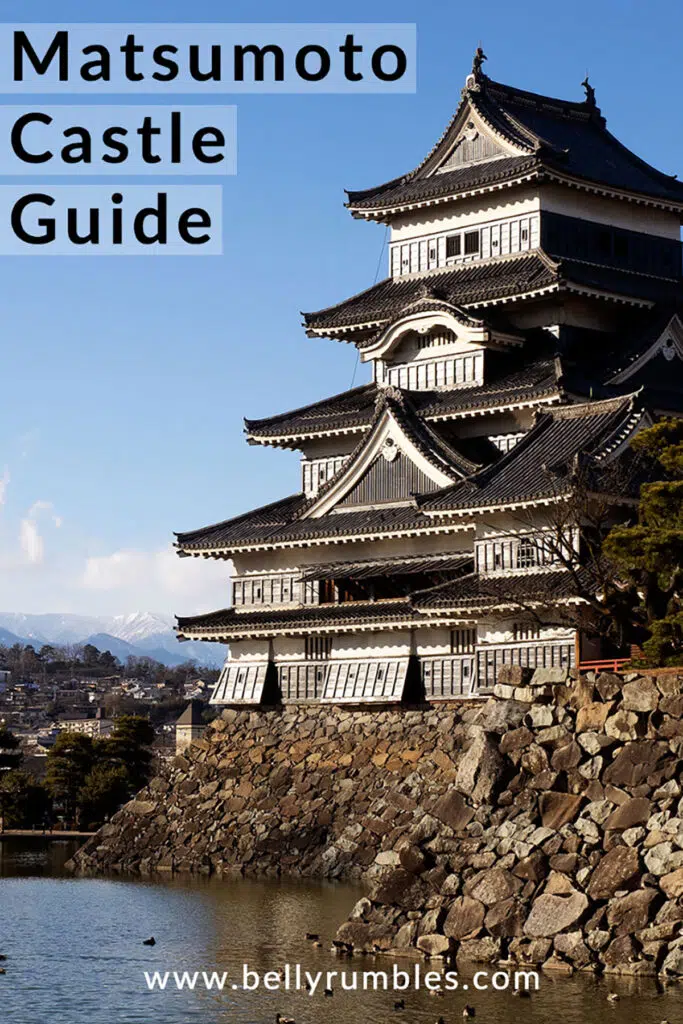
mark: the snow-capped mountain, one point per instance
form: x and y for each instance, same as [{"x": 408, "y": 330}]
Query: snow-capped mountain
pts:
[
  {"x": 138, "y": 626},
  {"x": 143, "y": 634}
]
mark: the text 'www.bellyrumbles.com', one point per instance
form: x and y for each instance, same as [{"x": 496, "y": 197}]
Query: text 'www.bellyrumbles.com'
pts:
[{"x": 295, "y": 978}]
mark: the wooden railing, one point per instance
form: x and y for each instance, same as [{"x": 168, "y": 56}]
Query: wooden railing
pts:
[{"x": 609, "y": 665}]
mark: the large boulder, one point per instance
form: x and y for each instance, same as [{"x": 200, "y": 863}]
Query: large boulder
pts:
[
  {"x": 557, "y": 809},
  {"x": 615, "y": 871},
  {"x": 672, "y": 884},
  {"x": 551, "y": 914},
  {"x": 435, "y": 945},
  {"x": 635, "y": 762},
  {"x": 631, "y": 913},
  {"x": 640, "y": 695},
  {"x": 465, "y": 918},
  {"x": 396, "y": 886},
  {"x": 481, "y": 951},
  {"x": 592, "y": 717},
  {"x": 622, "y": 726},
  {"x": 493, "y": 886},
  {"x": 634, "y": 811},
  {"x": 506, "y": 919},
  {"x": 452, "y": 810},
  {"x": 480, "y": 769}
]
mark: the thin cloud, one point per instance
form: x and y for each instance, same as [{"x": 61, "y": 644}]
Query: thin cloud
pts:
[{"x": 30, "y": 539}]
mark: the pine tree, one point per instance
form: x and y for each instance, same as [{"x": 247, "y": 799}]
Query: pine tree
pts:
[{"x": 650, "y": 552}]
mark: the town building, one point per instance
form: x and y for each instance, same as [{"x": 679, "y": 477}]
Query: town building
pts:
[
  {"x": 97, "y": 726},
  {"x": 528, "y": 328},
  {"x": 190, "y": 726}
]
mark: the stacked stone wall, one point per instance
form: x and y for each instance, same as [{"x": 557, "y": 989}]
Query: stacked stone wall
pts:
[{"x": 543, "y": 826}]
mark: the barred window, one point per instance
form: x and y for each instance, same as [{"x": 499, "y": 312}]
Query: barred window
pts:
[
  {"x": 471, "y": 242},
  {"x": 317, "y": 648},
  {"x": 527, "y": 553},
  {"x": 463, "y": 641},
  {"x": 453, "y": 245},
  {"x": 526, "y": 631}
]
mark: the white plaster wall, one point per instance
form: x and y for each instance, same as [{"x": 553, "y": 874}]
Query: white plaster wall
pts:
[
  {"x": 462, "y": 213},
  {"x": 571, "y": 310},
  {"x": 501, "y": 631},
  {"x": 432, "y": 641},
  {"x": 290, "y": 558},
  {"x": 247, "y": 651},
  {"x": 397, "y": 643}
]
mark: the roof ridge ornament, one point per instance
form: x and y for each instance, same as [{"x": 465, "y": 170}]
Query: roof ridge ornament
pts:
[
  {"x": 590, "y": 100},
  {"x": 475, "y": 78}
]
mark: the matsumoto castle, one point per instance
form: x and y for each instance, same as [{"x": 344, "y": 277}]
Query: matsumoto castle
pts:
[{"x": 528, "y": 327}]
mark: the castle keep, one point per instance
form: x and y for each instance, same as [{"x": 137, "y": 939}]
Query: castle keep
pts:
[{"x": 528, "y": 328}]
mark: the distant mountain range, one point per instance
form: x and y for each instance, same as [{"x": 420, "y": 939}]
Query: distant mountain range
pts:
[{"x": 140, "y": 634}]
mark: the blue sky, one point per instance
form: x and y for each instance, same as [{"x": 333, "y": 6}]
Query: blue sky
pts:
[{"x": 126, "y": 379}]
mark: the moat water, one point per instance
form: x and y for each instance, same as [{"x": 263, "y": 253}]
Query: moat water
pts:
[{"x": 75, "y": 955}]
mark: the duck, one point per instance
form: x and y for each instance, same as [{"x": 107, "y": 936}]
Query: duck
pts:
[
  {"x": 149, "y": 942},
  {"x": 2, "y": 957},
  {"x": 279, "y": 1019},
  {"x": 400, "y": 1004},
  {"x": 441, "y": 1020},
  {"x": 522, "y": 993},
  {"x": 613, "y": 997},
  {"x": 469, "y": 1011},
  {"x": 328, "y": 993},
  {"x": 2, "y": 970}
]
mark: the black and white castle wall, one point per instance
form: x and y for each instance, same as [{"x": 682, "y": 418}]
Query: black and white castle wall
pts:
[{"x": 529, "y": 325}]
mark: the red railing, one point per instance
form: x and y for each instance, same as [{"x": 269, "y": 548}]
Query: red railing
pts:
[{"x": 610, "y": 665}]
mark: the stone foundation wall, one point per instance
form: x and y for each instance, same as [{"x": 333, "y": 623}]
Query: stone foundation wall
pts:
[{"x": 543, "y": 826}]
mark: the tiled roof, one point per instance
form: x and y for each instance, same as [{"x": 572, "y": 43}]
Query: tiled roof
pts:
[
  {"x": 466, "y": 596},
  {"x": 539, "y": 467},
  {"x": 230, "y": 624},
  {"x": 383, "y": 567},
  {"x": 414, "y": 190},
  {"x": 483, "y": 281},
  {"x": 466, "y": 283},
  {"x": 506, "y": 382},
  {"x": 561, "y": 137},
  {"x": 254, "y": 529},
  {"x": 474, "y": 592}
]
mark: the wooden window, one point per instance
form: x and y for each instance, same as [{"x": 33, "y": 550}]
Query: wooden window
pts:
[
  {"x": 286, "y": 588},
  {"x": 526, "y": 631},
  {"x": 471, "y": 243},
  {"x": 527, "y": 553},
  {"x": 237, "y": 597},
  {"x": 453, "y": 245},
  {"x": 463, "y": 641},
  {"x": 317, "y": 648}
]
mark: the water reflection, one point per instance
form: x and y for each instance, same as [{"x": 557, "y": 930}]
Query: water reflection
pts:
[
  {"x": 76, "y": 955},
  {"x": 35, "y": 855}
]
